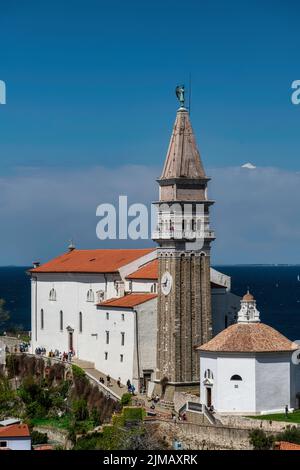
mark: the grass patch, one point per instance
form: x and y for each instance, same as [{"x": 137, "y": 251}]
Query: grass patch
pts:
[
  {"x": 290, "y": 418},
  {"x": 65, "y": 422},
  {"x": 60, "y": 423}
]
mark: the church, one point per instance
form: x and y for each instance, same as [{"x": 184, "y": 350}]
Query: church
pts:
[
  {"x": 139, "y": 314},
  {"x": 248, "y": 368}
]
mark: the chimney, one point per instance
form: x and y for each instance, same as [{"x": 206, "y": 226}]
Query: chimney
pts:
[{"x": 36, "y": 264}]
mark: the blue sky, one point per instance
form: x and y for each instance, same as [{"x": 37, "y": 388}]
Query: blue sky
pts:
[{"x": 91, "y": 85}]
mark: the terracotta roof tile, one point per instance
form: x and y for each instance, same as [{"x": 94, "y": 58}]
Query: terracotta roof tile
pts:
[
  {"x": 15, "y": 430},
  {"x": 148, "y": 271},
  {"x": 249, "y": 337},
  {"x": 283, "y": 445},
  {"x": 128, "y": 301},
  {"x": 91, "y": 261}
]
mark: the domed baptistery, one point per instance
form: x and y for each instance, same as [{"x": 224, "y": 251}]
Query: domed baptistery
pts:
[{"x": 249, "y": 367}]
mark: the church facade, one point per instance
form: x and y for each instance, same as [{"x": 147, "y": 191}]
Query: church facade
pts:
[{"x": 139, "y": 314}]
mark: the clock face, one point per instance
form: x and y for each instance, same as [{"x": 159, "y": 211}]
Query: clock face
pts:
[{"x": 166, "y": 283}]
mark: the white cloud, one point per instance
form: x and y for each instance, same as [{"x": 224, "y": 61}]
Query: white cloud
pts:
[{"x": 256, "y": 215}]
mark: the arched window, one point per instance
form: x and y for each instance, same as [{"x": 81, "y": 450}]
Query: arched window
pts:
[
  {"x": 90, "y": 296},
  {"x": 80, "y": 322},
  {"x": 236, "y": 377},
  {"x": 42, "y": 319},
  {"x": 61, "y": 320},
  {"x": 52, "y": 294},
  {"x": 208, "y": 374},
  {"x": 153, "y": 288}
]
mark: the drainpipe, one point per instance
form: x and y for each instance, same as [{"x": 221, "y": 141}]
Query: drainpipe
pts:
[
  {"x": 35, "y": 306},
  {"x": 105, "y": 296},
  {"x": 137, "y": 346}
]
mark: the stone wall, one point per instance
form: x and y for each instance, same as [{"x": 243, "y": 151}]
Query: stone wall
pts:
[
  {"x": 248, "y": 423},
  {"x": 56, "y": 436},
  {"x": 202, "y": 437}
]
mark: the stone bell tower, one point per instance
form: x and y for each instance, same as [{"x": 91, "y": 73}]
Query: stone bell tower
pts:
[{"x": 184, "y": 237}]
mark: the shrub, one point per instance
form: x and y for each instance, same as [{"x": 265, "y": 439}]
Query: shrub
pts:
[
  {"x": 38, "y": 438},
  {"x": 291, "y": 434},
  {"x": 77, "y": 372},
  {"x": 133, "y": 414},
  {"x": 80, "y": 409},
  {"x": 126, "y": 399},
  {"x": 260, "y": 440}
]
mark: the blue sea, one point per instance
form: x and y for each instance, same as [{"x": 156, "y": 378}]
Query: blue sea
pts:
[{"x": 276, "y": 289}]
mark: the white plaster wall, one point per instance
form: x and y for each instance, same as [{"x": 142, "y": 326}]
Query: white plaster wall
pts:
[
  {"x": 140, "y": 285},
  {"x": 115, "y": 325},
  {"x": 18, "y": 444},
  {"x": 231, "y": 399},
  {"x": 209, "y": 361},
  {"x": 147, "y": 335},
  {"x": 273, "y": 381},
  {"x": 71, "y": 295}
]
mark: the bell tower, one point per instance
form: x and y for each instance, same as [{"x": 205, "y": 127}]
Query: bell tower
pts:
[{"x": 184, "y": 236}]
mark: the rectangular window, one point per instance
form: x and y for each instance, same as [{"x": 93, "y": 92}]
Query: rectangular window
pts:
[
  {"x": 61, "y": 320},
  {"x": 42, "y": 319},
  {"x": 106, "y": 356},
  {"x": 107, "y": 316},
  {"x": 3, "y": 443},
  {"x": 122, "y": 339},
  {"x": 107, "y": 337},
  {"x": 80, "y": 322},
  {"x": 130, "y": 286},
  {"x": 123, "y": 317},
  {"x": 121, "y": 357}
]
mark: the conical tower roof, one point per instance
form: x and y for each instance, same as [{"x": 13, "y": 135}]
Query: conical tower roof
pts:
[{"x": 183, "y": 158}]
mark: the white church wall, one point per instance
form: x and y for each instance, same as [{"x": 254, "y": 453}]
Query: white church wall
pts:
[
  {"x": 235, "y": 396},
  {"x": 140, "y": 285},
  {"x": 209, "y": 362},
  {"x": 71, "y": 298},
  {"x": 117, "y": 322},
  {"x": 272, "y": 381},
  {"x": 146, "y": 331}
]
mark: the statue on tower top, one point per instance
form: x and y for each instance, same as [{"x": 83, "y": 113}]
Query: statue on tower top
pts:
[{"x": 180, "y": 90}]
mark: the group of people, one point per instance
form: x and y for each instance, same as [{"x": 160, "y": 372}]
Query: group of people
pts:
[
  {"x": 40, "y": 351},
  {"x": 64, "y": 357}
]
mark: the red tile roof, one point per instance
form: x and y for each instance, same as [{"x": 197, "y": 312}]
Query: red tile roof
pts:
[
  {"x": 148, "y": 271},
  {"x": 127, "y": 301},
  {"x": 15, "y": 430},
  {"x": 43, "y": 447},
  {"x": 283, "y": 445},
  {"x": 91, "y": 261},
  {"x": 249, "y": 337}
]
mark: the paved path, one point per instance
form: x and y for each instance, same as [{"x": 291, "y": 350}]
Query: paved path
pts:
[{"x": 90, "y": 369}]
